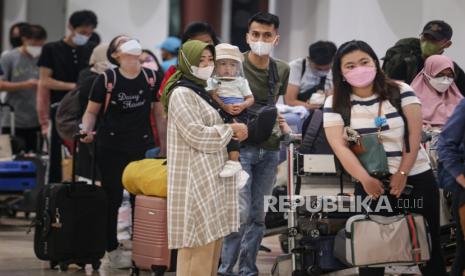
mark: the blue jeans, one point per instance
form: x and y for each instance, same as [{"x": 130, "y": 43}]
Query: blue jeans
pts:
[{"x": 261, "y": 166}]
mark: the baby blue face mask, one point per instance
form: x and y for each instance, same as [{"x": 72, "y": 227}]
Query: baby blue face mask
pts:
[{"x": 80, "y": 39}]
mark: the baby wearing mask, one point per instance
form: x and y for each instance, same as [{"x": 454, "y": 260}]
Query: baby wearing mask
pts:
[{"x": 231, "y": 90}]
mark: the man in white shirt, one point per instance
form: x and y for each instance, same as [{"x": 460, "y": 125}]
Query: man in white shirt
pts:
[{"x": 310, "y": 76}]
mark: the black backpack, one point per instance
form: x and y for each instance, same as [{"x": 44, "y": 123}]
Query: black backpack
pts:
[
  {"x": 402, "y": 60},
  {"x": 313, "y": 135},
  {"x": 262, "y": 115}
]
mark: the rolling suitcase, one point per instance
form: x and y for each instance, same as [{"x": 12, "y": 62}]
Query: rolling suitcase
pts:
[
  {"x": 150, "y": 237},
  {"x": 70, "y": 224},
  {"x": 17, "y": 176}
]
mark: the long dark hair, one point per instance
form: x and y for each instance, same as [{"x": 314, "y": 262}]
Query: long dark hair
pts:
[
  {"x": 382, "y": 85},
  {"x": 112, "y": 47}
]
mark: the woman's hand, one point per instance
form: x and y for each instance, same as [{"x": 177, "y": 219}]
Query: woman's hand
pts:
[
  {"x": 398, "y": 182},
  {"x": 89, "y": 138},
  {"x": 373, "y": 187},
  {"x": 240, "y": 131}
]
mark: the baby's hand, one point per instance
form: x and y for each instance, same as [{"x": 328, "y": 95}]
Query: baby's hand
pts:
[
  {"x": 238, "y": 108},
  {"x": 229, "y": 108}
]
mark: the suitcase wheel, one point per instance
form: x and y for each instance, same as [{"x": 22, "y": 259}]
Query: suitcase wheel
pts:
[
  {"x": 53, "y": 264},
  {"x": 63, "y": 266},
  {"x": 96, "y": 265},
  {"x": 158, "y": 270},
  {"x": 134, "y": 271},
  {"x": 314, "y": 270}
]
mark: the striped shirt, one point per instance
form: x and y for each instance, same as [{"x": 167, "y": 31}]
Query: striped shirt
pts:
[{"x": 362, "y": 119}]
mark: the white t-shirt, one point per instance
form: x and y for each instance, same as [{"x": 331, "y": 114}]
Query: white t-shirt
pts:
[
  {"x": 309, "y": 79},
  {"x": 238, "y": 88},
  {"x": 362, "y": 119}
]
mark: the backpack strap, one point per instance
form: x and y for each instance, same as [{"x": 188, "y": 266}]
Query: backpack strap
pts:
[
  {"x": 150, "y": 77},
  {"x": 304, "y": 67},
  {"x": 313, "y": 129},
  {"x": 110, "y": 82},
  {"x": 273, "y": 79}
]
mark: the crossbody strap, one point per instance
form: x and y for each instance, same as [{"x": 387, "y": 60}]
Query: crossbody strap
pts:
[{"x": 273, "y": 79}]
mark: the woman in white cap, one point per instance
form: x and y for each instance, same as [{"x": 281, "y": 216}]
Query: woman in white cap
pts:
[{"x": 231, "y": 90}]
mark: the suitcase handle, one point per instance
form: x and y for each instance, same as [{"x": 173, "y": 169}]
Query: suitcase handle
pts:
[{"x": 76, "y": 141}]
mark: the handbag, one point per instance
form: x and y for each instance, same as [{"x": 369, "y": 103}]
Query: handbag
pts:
[
  {"x": 263, "y": 115},
  {"x": 370, "y": 151},
  {"x": 378, "y": 241}
]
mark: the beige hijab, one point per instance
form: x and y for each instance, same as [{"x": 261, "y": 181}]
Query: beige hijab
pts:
[{"x": 98, "y": 59}]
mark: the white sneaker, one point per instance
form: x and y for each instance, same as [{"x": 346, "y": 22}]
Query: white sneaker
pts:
[
  {"x": 230, "y": 168},
  {"x": 120, "y": 259},
  {"x": 241, "y": 179}
]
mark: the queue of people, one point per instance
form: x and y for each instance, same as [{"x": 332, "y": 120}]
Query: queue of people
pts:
[{"x": 194, "y": 106}]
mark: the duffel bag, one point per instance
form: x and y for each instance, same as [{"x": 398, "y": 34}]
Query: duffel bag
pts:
[
  {"x": 378, "y": 241},
  {"x": 146, "y": 177}
]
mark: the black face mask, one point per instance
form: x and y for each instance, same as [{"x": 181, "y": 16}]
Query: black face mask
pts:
[{"x": 15, "y": 41}]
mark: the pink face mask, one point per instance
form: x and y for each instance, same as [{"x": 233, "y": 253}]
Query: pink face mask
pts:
[
  {"x": 150, "y": 65},
  {"x": 361, "y": 76}
]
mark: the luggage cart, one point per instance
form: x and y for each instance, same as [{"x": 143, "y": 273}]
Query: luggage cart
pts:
[{"x": 319, "y": 166}]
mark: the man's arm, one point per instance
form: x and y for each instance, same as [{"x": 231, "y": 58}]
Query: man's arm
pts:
[
  {"x": 17, "y": 86},
  {"x": 45, "y": 76}
]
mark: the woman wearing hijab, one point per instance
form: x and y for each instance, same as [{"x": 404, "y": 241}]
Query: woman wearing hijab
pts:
[
  {"x": 437, "y": 91},
  {"x": 439, "y": 95},
  {"x": 202, "y": 207}
]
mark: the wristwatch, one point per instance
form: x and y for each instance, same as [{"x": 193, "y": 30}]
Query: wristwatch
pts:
[{"x": 402, "y": 173}]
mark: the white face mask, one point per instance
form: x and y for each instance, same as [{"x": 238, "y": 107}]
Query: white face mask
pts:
[
  {"x": 80, "y": 39},
  {"x": 131, "y": 47},
  {"x": 261, "y": 48},
  {"x": 34, "y": 51},
  {"x": 202, "y": 73},
  {"x": 441, "y": 84}
]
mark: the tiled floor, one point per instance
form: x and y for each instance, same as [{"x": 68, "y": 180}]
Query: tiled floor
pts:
[{"x": 17, "y": 255}]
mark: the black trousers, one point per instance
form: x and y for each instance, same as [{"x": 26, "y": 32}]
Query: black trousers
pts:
[
  {"x": 459, "y": 263},
  {"x": 30, "y": 139},
  {"x": 111, "y": 163},
  {"x": 425, "y": 190}
]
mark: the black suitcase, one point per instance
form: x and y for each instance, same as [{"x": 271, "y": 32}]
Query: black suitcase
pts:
[
  {"x": 316, "y": 256},
  {"x": 70, "y": 226}
]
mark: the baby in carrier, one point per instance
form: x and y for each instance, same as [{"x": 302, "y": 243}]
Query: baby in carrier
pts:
[{"x": 231, "y": 90}]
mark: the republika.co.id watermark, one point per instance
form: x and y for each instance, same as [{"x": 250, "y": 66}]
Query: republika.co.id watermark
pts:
[{"x": 343, "y": 204}]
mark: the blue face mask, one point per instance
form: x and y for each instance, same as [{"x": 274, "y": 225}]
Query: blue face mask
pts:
[
  {"x": 80, "y": 39},
  {"x": 319, "y": 73}
]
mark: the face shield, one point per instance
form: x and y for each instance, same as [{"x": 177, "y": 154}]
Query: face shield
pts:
[{"x": 227, "y": 69}]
